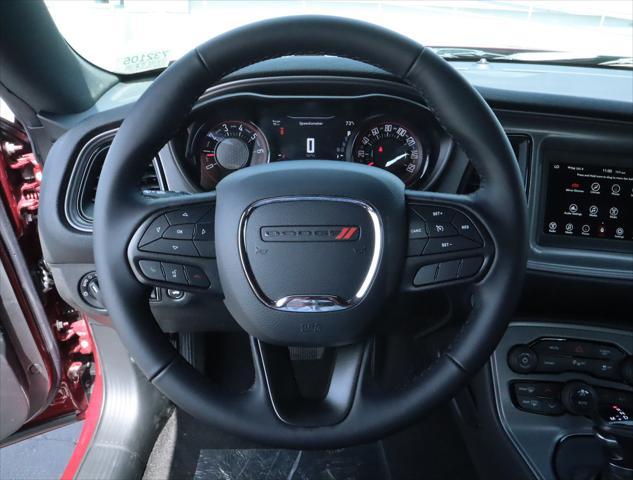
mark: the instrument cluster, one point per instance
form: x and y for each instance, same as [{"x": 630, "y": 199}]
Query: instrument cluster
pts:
[{"x": 380, "y": 131}]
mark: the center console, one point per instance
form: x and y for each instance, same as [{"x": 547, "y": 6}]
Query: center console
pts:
[{"x": 548, "y": 380}]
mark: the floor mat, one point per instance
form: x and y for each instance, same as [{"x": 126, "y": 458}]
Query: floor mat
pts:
[
  {"x": 345, "y": 464},
  {"x": 430, "y": 450}
]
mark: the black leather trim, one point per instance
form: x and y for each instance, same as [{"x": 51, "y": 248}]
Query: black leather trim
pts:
[
  {"x": 308, "y": 35},
  {"x": 472, "y": 124}
]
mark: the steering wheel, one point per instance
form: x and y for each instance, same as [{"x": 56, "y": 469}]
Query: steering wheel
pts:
[{"x": 306, "y": 253}]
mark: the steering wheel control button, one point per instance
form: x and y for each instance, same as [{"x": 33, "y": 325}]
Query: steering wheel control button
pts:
[
  {"x": 417, "y": 228},
  {"x": 196, "y": 277},
  {"x": 466, "y": 228},
  {"x": 448, "y": 271},
  {"x": 470, "y": 267},
  {"x": 448, "y": 244},
  {"x": 173, "y": 247},
  {"x": 204, "y": 232},
  {"x": 179, "y": 232},
  {"x": 441, "y": 229},
  {"x": 155, "y": 231},
  {"x": 434, "y": 214},
  {"x": 521, "y": 359},
  {"x": 174, "y": 273},
  {"x": 426, "y": 275},
  {"x": 205, "y": 249},
  {"x": 187, "y": 215},
  {"x": 416, "y": 247},
  {"x": 151, "y": 270}
]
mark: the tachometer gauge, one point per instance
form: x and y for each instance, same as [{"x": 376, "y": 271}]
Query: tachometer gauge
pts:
[
  {"x": 393, "y": 147},
  {"x": 229, "y": 146}
]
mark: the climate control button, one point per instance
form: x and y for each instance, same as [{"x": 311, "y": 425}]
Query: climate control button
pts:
[{"x": 579, "y": 398}]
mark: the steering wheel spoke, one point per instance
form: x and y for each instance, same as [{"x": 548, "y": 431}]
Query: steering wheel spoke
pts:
[
  {"x": 447, "y": 241},
  {"x": 174, "y": 244},
  {"x": 310, "y": 386}
]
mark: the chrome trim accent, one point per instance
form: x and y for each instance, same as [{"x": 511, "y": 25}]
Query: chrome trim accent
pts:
[
  {"x": 82, "y": 166},
  {"x": 313, "y": 302},
  {"x": 159, "y": 175},
  {"x": 78, "y": 177}
]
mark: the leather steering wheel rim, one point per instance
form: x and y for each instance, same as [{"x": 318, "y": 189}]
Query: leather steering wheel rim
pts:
[{"x": 499, "y": 204}]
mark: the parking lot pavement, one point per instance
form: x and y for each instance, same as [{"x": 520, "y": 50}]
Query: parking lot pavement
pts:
[{"x": 43, "y": 457}]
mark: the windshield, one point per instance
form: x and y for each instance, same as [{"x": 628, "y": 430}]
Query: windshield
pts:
[{"x": 131, "y": 36}]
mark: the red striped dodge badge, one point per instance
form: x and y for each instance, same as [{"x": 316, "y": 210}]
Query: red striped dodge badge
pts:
[{"x": 311, "y": 233}]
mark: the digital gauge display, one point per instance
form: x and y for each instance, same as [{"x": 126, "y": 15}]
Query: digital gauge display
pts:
[
  {"x": 254, "y": 129},
  {"x": 304, "y": 138}
]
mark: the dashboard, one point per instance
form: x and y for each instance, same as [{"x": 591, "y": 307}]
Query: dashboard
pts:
[
  {"x": 575, "y": 157},
  {"x": 380, "y": 131},
  {"x": 364, "y": 117}
]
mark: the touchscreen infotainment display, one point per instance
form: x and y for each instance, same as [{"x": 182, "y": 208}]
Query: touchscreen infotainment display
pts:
[{"x": 585, "y": 200}]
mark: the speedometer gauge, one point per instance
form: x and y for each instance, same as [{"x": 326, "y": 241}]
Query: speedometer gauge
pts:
[
  {"x": 226, "y": 147},
  {"x": 393, "y": 147}
]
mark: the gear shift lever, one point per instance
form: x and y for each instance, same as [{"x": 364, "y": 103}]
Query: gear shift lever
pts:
[{"x": 614, "y": 430}]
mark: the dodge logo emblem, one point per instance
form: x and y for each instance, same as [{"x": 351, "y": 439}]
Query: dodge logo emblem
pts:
[{"x": 311, "y": 233}]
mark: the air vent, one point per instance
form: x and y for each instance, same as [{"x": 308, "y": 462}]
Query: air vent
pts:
[
  {"x": 83, "y": 183},
  {"x": 521, "y": 145}
]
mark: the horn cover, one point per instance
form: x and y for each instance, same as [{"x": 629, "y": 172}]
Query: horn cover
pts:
[{"x": 308, "y": 251}]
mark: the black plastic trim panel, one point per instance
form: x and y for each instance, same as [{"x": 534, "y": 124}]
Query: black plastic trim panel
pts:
[
  {"x": 535, "y": 436},
  {"x": 394, "y": 102},
  {"x": 133, "y": 413},
  {"x": 575, "y": 133}
]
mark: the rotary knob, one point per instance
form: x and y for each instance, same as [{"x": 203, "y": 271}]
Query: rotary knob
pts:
[
  {"x": 522, "y": 359},
  {"x": 579, "y": 398}
]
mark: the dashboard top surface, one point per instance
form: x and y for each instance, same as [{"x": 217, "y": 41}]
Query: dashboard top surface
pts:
[{"x": 591, "y": 91}]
